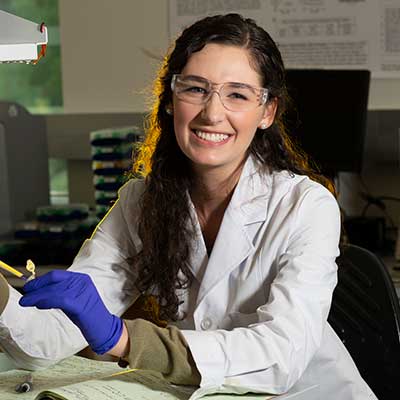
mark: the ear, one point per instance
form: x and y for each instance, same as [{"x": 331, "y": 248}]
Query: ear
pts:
[{"x": 269, "y": 114}]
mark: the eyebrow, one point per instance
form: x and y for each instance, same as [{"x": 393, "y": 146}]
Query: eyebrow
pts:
[{"x": 196, "y": 78}]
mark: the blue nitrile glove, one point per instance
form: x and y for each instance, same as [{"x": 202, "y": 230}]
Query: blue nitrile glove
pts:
[{"x": 76, "y": 295}]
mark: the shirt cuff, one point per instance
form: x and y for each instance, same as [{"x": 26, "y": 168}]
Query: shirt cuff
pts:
[
  {"x": 161, "y": 349},
  {"x": 209, "y": 356}
]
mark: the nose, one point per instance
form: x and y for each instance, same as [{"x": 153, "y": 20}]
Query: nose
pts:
[{"x": 213, "y": 110}]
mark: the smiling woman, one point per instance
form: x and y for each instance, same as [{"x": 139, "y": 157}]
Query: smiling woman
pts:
[
  {"x": 211, "y": 133},
  {"x": 226, "y": 248}
]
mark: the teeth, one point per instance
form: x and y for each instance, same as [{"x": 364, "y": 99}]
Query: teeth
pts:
[{"x": 211, "y": 137}]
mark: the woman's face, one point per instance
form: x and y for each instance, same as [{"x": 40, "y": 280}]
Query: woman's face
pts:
[{"x": 195, "y": 124}]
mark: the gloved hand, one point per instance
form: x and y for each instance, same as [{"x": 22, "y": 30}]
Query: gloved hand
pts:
[
  {"x": 76, "y": 295},
  {"x": 4, "y": 293}
]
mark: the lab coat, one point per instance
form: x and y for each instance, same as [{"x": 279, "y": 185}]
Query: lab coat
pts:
[{"x": 255, "y": 317}]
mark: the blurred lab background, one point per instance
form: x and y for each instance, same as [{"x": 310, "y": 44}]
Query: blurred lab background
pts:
[{"x": 68, "y": 126}]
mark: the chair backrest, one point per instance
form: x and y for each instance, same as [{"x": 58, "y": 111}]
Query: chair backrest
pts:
[{"x": 365, "y": 314}]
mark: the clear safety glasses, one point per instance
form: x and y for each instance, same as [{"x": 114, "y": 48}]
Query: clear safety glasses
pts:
[{"x": 235, "y": 96}]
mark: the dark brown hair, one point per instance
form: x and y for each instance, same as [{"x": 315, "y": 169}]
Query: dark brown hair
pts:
[{"x": 165, "y": 225}]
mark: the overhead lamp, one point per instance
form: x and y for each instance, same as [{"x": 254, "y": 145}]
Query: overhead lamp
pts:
[{"x": 20, "y": 38}]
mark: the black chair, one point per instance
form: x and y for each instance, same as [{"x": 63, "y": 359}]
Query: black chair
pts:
[{"x": 365, "y": 314}]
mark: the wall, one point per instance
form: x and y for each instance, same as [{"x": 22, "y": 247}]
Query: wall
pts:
[{"x": 105, "y": 68}]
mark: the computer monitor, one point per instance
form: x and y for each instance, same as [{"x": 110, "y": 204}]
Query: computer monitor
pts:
[{"x": 330, "y": 122}]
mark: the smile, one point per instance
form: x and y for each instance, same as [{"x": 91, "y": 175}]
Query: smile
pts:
[{"x": 211, "y": 137}]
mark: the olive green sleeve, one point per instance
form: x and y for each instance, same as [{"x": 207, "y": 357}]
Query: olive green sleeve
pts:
[
  {"x": 4, "y": 293},
  {"x": 161, "y": 349}
]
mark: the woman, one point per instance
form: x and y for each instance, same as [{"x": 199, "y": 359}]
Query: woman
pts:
[{"x": 227, "y": 231}]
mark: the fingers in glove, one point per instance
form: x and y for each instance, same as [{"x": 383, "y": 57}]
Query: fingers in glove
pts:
[
  {"x": 48, "y": 297},
  {"x": 51, "y": 277}
]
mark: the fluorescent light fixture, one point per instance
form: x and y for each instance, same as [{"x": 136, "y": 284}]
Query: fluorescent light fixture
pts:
[{"x": 20, "y": 38}]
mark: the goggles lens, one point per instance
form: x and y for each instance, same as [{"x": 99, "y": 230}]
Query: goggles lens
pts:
[{"x": 234, "y": 96}]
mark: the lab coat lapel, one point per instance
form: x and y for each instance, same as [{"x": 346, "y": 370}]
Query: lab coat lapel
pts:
[
  {"x": 234, "y": 243},
  {"x": 199, "y": 258}
]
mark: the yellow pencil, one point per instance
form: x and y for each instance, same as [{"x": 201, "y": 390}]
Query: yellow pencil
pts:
[{"x": 12, "y": 270}]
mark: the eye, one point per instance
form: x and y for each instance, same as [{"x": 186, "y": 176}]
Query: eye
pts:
[
  {"x": 238, "y": 93},
  {"x": 238, "y": 96},
  {"x": 194, "y": 89}
]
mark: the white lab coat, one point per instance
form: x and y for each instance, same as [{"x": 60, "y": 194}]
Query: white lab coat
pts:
[{"x": 255, "y": 316}]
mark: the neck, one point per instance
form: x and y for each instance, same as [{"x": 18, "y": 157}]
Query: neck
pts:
[
  {"x": 211, "y": 194},
  {"x": 213, "y": 189}
]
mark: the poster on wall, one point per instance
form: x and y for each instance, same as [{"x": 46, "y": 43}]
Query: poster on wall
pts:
[{"x": 337, "y": 34}]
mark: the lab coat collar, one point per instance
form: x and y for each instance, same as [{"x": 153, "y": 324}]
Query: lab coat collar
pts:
[
  {"x": 250, "y": 195},
  {"x": 233, "y": 244}
]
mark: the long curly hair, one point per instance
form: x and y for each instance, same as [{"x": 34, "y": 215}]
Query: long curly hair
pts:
[{"x": 166, "y": 227}]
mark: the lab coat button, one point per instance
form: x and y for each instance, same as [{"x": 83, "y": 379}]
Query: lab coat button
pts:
[{"x": 205, "y": 324}]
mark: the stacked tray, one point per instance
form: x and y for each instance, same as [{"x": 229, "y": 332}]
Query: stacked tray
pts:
[
  {"x": 54, "y": 237},
  {"x": 111, "y": 160}
]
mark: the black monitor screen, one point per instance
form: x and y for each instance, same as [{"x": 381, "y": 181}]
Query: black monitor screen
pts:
[{"x": 331, "y": 116}]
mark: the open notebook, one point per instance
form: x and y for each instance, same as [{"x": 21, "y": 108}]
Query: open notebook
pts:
[{"x": 78, "y": 378}]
